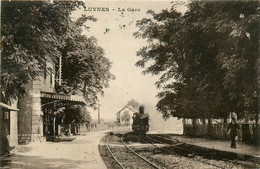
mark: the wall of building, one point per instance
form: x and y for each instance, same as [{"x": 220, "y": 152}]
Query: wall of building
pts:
[
  {"x": 13, "y": 137},
  {"x": 47, "y": 83},
  {"x": 25, "y": 116},
  {"x": 30, "y": 118},
  {"x": 127, "y": 111},
  {"x": 37, "y": 114}
]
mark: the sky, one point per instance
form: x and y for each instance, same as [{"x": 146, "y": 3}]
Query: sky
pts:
[{"x": 114, "y": 31}]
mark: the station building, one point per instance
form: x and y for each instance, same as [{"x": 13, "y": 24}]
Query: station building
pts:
[
  {"x": 32, "y": 118},
  {"x": 37, "y": 118}
]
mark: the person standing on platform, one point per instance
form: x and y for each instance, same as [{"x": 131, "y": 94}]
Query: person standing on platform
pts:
[{"x": 233, "y": 131}]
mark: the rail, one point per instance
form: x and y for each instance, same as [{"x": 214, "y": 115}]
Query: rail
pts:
[
  {"x": 108, "y": 147},
  {"x": 152, "y": 164},
  {"x": 184, "y": 149}
]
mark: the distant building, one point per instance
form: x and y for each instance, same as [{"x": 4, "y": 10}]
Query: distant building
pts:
[{"x": 124, "y": 116}]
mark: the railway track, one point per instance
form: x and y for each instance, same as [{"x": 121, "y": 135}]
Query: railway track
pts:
[
  {"x": 175, "y": 143},
  {"x": 128, "y": 158},
  {"x": 181, "y": 149},
  {"x": 109, "y": 150},
  {"x": 163, "y": 152}
]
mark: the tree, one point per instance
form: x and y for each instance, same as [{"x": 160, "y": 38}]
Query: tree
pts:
[
  {"x": 30, "y": 32},
  {"x": 133, "y": 103},
  {"x": 90, "y": 72},
  {"x": 203, "y": 58},
  {"x": 75, "y": 114}
]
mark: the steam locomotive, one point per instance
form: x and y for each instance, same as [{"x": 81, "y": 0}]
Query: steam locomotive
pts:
[{"x": 140, "y": 121}]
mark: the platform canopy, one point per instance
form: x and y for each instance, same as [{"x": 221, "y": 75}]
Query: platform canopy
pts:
[
  {"x": 5, "y": 106},
  {"x": 63, "y": 97}
]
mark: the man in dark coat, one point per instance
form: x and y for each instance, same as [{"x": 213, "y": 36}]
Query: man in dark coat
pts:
[{"x": 233, "y": 132}]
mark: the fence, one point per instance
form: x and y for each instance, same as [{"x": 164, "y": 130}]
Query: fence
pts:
[{"x": 248, "y": 133}]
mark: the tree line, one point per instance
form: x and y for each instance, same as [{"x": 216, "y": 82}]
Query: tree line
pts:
[{"x": 207, "y": 59}]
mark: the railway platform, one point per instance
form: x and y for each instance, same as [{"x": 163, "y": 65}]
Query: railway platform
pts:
[
  {"x": 242, "y": 150},
  {"x": 77, "y": 152}
]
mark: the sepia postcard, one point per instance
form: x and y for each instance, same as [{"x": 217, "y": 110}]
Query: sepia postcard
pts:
[{"x": 129, "y": 84}]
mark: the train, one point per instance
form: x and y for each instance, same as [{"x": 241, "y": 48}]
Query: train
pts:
[{"x": 140, "y": 121}]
